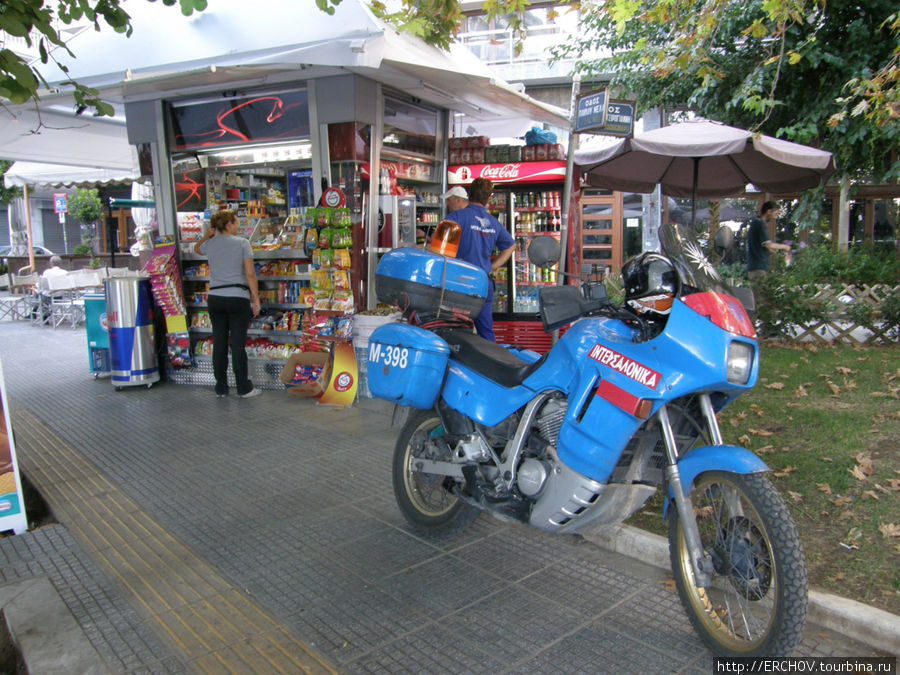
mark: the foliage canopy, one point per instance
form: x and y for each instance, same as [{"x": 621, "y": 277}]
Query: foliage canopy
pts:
[{"x": 823, "y": 74}]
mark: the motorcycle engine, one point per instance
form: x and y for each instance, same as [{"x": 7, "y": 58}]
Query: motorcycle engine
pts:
[
  {"x": 551, "y": 417},
  {"x": 533, "y": 471}
]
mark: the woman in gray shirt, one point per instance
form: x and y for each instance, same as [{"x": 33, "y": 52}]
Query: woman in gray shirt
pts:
[{"x": 232, "y": 300}]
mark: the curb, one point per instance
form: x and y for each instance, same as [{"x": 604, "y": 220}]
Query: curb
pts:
[
  {"x": 863, "y": 623},
  {"x": 46, "y": 633}
]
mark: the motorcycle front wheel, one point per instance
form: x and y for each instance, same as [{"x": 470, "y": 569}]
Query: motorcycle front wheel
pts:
[
  {"x": 755, "y": 604},
  {"x": 427, "y": 500}
]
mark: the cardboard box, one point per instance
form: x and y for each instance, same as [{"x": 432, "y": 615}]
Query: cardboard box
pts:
[{"x": 312, "y": 389}]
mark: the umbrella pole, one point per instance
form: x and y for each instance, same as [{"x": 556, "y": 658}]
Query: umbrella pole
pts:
[{"x": 694, "y": 193}]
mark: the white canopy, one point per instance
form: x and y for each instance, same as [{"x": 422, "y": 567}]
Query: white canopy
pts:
[
  {"x": 64, "y": 175},
  {"x": 57, "y": 137},
  {"x": 283, "y": 40}
]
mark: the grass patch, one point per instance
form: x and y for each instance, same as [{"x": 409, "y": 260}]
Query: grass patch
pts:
[{"x": 827, "y": 422}]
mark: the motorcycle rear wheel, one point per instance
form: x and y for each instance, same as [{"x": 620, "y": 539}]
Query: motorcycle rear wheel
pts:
[
  {"x": 426, "y": 500},
  {"x": 756, "y": 602}
]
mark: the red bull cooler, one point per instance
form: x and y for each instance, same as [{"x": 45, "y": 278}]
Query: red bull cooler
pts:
[{"x": 132, "y": 344}]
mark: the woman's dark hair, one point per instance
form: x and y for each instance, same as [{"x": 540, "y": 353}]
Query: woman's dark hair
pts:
[
  {"x": 480, "y": 191},
  {"x": 221, "y": 219},
  {"x": 767, "y": 206}
]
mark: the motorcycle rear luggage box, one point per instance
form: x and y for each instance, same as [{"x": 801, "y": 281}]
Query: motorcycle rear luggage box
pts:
[
  {"x": 430, "y": 284},
  {"x": 406, "y": 364}
]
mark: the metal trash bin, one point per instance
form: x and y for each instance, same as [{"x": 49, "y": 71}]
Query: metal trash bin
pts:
[
  {"x": 97, "y": 333},
  {"x": 129, "y": 317}
]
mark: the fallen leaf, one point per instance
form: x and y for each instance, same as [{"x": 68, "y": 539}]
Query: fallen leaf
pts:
[
  {"x": 744, "y": 440},
  {"x": 870, "y": 494},
  {"x": 866, "y": 465},
  {"x": 669, "y": 584},
  {"x": 838, "y": 577},
  {"x": 827, "y": 459},
  {"x": 857, "y": 472},
  {"x": 847, "y": 515},
  {"x": 843, "y": 370},
  {"x": 881, "y": 488},
  {"x": 759, "y": 432},
  {"x": 801, "y": 392},
  {"x": 775, "y": 385},
  {"x": 824, "y": 487},
  {"x": 810, "y": 347},
  {"x": 766, "y": 450},
  {"x": 854, "y": 534},
  {"x": 841, "y": 501},
  {"x": 850, "y": 385},
  {"x": 755, "y": 409},
  {"x": 786, "y": 471},
  {"x": 889, "y": 529},
  {"x": 895, "y": 484},
  {"x": 835, "y": 390},
  {"x": 742, "y": 415},
  {"x": 734, "y": 421},
  {"x": 796, "y": 496}
]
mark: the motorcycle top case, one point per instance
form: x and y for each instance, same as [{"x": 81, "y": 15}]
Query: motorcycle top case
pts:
[
  {"x": 406, "y": 364},
  {"x": 430, "y": 284}
]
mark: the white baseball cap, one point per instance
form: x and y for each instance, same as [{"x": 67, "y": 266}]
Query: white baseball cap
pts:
[{"x": 455, "y": 191}]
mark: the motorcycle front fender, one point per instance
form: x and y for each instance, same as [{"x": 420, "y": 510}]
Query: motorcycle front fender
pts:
[{"x": 730, "y": 458}]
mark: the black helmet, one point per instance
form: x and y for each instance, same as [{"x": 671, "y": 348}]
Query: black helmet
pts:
[{"x": 651, "y": 285}]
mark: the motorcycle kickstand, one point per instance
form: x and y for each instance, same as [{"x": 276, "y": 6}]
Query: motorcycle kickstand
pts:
[{"x": 701, "y": 562}]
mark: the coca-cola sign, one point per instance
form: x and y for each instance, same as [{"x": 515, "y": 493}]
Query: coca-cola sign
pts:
[{"x": 511, "y": 172}]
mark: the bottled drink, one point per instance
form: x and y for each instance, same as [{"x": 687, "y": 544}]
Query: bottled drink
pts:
[{"x": 445, "y": 240}]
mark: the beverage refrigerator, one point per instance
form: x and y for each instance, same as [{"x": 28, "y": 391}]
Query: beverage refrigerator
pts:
[{"x": 527, "y": 200}]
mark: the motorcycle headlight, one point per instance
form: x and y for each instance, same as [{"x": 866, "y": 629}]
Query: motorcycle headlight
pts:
[{"x": 740, "y": 362}]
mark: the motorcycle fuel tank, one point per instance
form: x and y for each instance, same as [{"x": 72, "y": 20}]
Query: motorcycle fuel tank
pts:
[{"x": 430, "y": 284}]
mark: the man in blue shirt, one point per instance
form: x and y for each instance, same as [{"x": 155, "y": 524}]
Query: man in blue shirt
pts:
[{"x": 480, "y": 234}]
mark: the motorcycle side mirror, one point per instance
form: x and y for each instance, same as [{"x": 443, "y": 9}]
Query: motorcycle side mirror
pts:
[
  {"x": 723, "y": 240},
  {"x": 544, "y": 251}
]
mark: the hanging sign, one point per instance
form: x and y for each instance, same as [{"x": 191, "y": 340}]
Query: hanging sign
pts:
[
  {"x": 12, "y": 503},
  {"x": 591, "y": 111},
  {"x": 599, "y": 114},
  {"x": 512, "y": 172},
  {"x": 333, "y": 198}
]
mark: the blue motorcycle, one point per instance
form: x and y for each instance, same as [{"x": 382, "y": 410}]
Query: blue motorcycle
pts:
[{"x": 580, "y": 438}]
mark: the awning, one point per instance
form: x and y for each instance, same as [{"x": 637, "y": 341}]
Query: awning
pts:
[
  {"x": 62, "y": 175},
  {"x": 57, "y": 137},
  {"x": 169, "y": 53}
]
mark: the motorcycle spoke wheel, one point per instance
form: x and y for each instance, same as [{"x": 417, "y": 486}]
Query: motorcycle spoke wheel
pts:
[
  {"x": 427, "y": 501},
  {"x": 755, "y": 604}
]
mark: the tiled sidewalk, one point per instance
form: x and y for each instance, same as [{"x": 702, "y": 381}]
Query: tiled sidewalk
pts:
[{"x": 224, "y": 535}]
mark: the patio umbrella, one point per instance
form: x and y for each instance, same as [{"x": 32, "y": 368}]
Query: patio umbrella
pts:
[{"x": 707, "y": 159}]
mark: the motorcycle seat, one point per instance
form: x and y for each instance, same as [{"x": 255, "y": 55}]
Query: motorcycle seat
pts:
[{"x": 487, "y": 358}]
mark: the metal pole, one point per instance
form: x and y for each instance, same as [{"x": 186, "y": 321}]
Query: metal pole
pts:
[
  {"x": 28, "y": 227},
  {"x": 570, "y": 168}
]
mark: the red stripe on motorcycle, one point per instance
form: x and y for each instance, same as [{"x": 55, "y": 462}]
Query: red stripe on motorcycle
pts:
[{"x": 622, "y": 399}]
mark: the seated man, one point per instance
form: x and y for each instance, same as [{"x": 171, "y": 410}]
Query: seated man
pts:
[{"x": 55, "y": 270}]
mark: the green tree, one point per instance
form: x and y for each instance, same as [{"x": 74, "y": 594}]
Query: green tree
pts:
[
  {"x": 813, "y": 72},
  {"x": 38, "y": 22},
  {"x": 7, "y": 194}
]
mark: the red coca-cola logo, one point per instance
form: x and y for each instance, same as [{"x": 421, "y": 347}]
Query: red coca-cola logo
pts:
[{"x": 500, "y": 171}]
